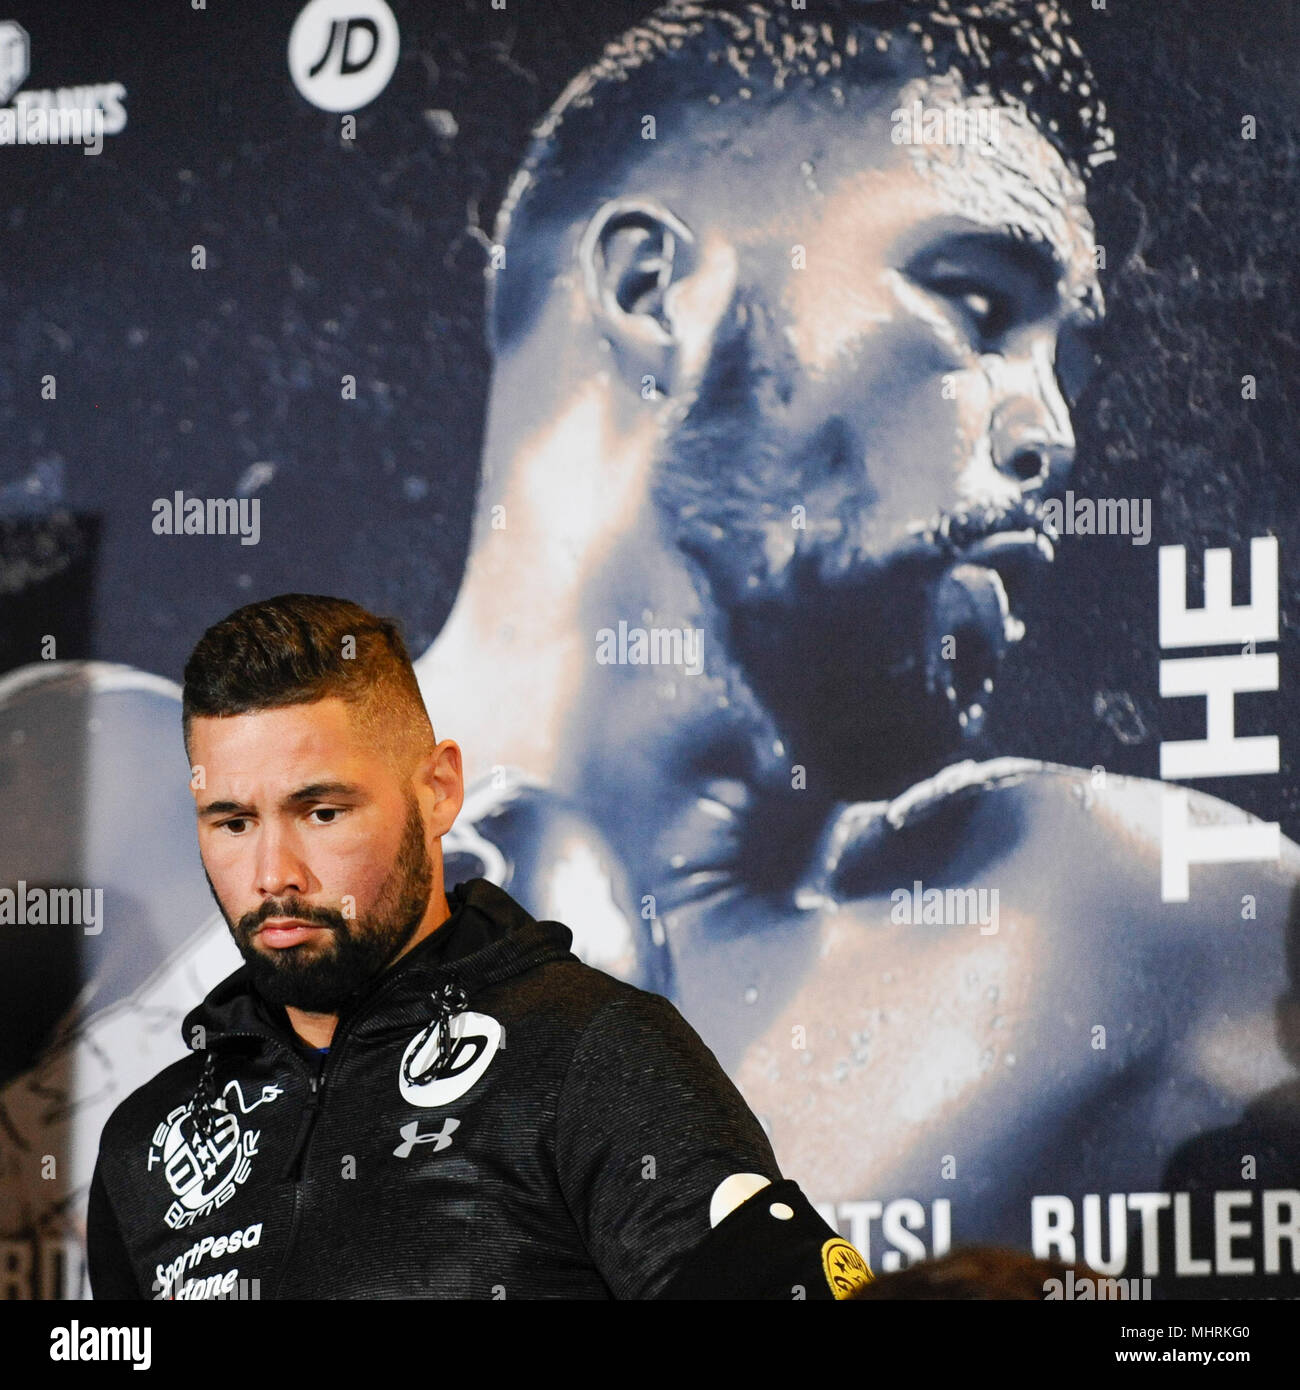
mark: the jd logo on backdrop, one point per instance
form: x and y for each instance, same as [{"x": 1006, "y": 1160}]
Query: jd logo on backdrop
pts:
[{"x": 342, "y": 53}]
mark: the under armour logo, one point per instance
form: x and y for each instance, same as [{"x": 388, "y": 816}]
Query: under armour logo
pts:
[{"x": 411, "y": 1136}]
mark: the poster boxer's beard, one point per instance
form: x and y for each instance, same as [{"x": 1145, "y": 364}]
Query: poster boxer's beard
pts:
[
  {"x": 848, "y": 675},
  {"x": 849, "y": 669},
  {"x": 834, "y": 638},
  {"x": 319, "y": 976}
]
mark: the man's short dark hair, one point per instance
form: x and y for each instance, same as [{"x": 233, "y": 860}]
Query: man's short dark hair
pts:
[
  {"x": 978, "y": 1273},
  {"x": 745, "y": 56},
  {"x": 299, "y": 648}
]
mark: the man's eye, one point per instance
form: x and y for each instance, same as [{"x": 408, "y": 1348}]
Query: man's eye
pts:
[
  {"x": 236, "y": 826},
  {"x": 328, "y": 812},
  {"x": 989, "y": 312}
]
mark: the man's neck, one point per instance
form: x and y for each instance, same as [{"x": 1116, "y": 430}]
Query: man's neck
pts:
[
  {"x": 506, "y": 668},
  {"x": 317, "y": 1029}
]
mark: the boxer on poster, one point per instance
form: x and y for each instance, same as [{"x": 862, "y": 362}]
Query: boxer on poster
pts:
[{"x": 780, "y": 380}]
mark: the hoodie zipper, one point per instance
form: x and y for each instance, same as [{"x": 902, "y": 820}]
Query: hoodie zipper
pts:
[
  {"x": 293, "y": 1169},
  {"x": 311, "y": 1112}
]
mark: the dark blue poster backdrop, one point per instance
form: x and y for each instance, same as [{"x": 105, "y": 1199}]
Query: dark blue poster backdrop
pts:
[{"x": 839, "y": 483}]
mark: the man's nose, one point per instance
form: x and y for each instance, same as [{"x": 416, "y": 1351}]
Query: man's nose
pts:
[
  {"x": 279, "y": 868},
  {"x": 1032, "y": 437}
]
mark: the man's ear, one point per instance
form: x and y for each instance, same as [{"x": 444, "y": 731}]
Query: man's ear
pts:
[
  {"x": 632, "y": 253},
  {"x": 441, "y": 771}
]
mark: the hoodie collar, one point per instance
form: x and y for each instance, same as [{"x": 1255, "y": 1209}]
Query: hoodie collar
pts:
[{"x": 487, "y": 938}]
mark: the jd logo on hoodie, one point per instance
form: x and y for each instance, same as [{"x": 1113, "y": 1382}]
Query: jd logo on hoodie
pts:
[{"x": 430, "y": 1076}]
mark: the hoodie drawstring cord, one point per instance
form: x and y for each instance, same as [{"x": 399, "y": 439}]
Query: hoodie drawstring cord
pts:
[
  {"x": 205, "y": 1095},
  {"x": 449, "y": 999}
]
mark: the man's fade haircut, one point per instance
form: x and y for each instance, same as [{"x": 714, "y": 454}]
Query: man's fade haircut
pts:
[
  {"x": 723, "y": 54},
  {"x": 296, "y": 649}
]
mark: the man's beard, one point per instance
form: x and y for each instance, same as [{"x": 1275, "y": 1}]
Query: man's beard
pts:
[
  {"x": 836, "y": 630},
  {"x": 318, "y": 977}
]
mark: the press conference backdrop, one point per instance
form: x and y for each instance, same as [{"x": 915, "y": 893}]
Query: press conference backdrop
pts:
[{"x": 975, "y": 868}]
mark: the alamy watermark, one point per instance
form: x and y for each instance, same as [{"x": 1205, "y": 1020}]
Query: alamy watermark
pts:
[
  {"x": 916, "y": 124},
  {"x": 179, "y": 515},
  {"x": 945, "y": 907},
  {"x": 53, "y": 907},
  {"x": 655, "y": 646},
  {"x": 1086, "y": 1289},
  {"x": 61, "y": 125},
  {"x": 1104, "y": 516}
]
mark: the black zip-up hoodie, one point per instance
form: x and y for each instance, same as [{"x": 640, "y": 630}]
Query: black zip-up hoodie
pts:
[{"x": 560, "y": 1138}]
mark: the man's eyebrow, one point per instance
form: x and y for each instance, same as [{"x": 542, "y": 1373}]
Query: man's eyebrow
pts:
[
  {"x": 319, "y": 791},
  {"x": 222, "y": 808},
  {"x": 313, "y": 791},
  {"x": 1021, "y": 251},
  {"x": 1018, "y": 248}
]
